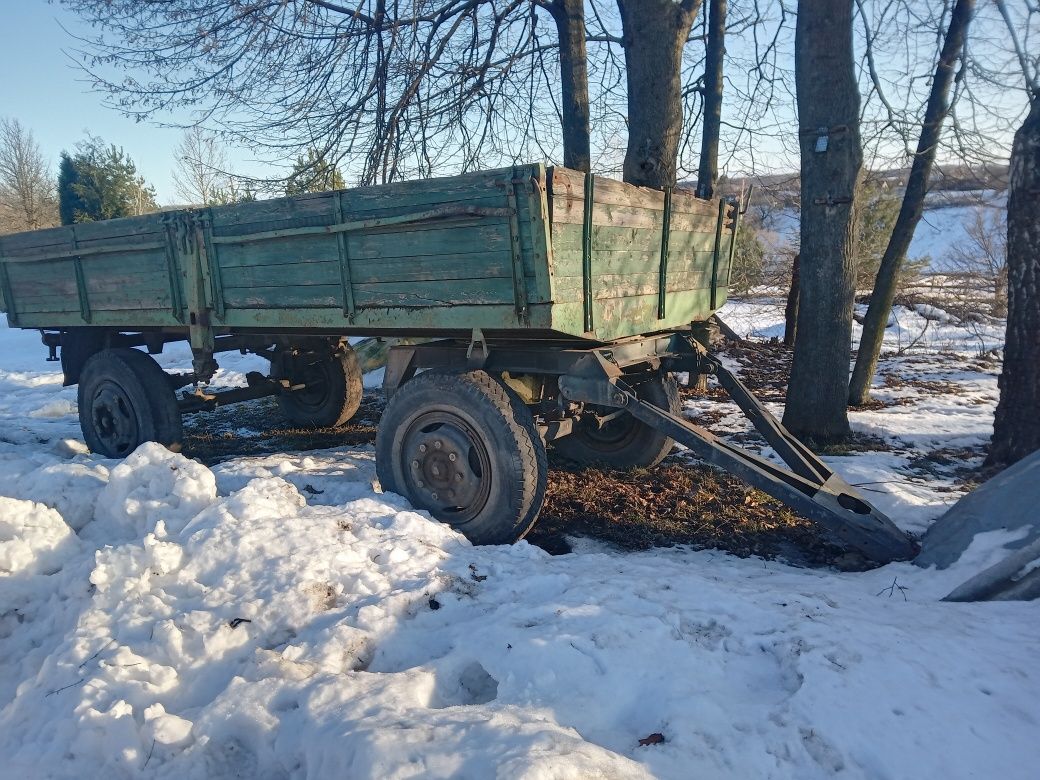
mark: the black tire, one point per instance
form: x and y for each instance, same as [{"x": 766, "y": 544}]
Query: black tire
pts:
[
  {"x": 126, "y": 399},
  {"x": 624, "y": 442},
  {"x": 77, "y": 347},
  {"x": 465, "y": 448},
  {"x": 334, "y": 386}
]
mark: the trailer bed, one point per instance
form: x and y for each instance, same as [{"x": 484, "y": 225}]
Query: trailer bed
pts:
[{"x": 529, "y": 250}]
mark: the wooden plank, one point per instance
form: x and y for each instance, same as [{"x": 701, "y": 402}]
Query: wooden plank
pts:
[
  {"x": 571, "y": 211},
  {"x": 278, "y": 252},
  {"x": 436, "y": 294},
  {"x": 369, "y": 201},
  {"x": 269, "y": 297},
  {"x": 629, "y": 262},
  {"x": 491, "y": 264},
  {"x": 569, "y": 184},
  {"x": 632, "y": 285},
  {"x": 446, "y": 240},
  {"x": 127, "y": 319},
  {"x": 610, "y": 238},
  {"x": 401, "y": 294},
  {"x": 36, "y": 239},
  {"x": 425, "y": 321},
  {"x": 290, "y": 275}
]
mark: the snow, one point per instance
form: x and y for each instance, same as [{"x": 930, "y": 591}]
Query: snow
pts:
[
  {"x": 279, "y": 617},
  {"x": 944, "y": 225}
]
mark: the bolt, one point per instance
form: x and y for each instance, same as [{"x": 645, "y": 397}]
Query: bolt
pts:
[
  {"x": 452, "y": 457},
  {"x": 619, "y": 399},
  {"x": 422, "y": 448},
  {"x": 437, "y": 444},
  {"x": 415, "y": 464},
  {"x": 435, "y": 470},
  {"x": 420, "y": 483},
  {"x": 433, "y": 496}
]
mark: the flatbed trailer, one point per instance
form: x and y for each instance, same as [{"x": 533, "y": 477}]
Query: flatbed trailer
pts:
[{"x": 553, "y": 306}]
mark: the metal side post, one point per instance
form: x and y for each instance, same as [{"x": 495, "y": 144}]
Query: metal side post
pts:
[{"x": 808, "y": 486}]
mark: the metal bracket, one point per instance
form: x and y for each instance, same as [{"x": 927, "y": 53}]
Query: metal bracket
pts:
[
  {"x": 586, "y": 251},
  {"x": 477, "y": 351},
  {"x": 808, "y": 486},
  {"x": 662, "y": 274},
  {"x": 517, "y": 254}
]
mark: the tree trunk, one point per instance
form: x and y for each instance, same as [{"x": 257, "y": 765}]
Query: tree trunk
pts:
[
  {"x": 791, "y": 309},
  {"x": 569, "y": 16},
  {"x": 715, "y": 50},
  {"x": 831, "y": 158},
  {"x": 654, "y": 34},
  {"x": 1016, "y": 427},
  {"x": 912, "y": 207}
]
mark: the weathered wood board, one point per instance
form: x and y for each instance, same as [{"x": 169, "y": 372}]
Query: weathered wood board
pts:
[{"x": 515, "y": 249}]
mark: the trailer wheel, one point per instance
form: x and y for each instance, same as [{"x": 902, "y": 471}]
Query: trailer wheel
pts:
[
  {"x": 465, "y": 448},
  {"x": 333, "y": 386},
  {"x": 624, "y": 442},
  {"x": 126, "y": 399}
]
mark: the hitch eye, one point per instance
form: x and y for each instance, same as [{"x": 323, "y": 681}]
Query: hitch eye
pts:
[{"x": 853, "y": 504}]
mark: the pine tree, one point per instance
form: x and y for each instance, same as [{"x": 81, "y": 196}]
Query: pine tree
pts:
[
  {"x": 313, "y": 173},
  {"x": 101, "y": 182}
]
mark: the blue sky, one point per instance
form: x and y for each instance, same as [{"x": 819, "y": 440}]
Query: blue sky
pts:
[{"x": 43, "y": 89}]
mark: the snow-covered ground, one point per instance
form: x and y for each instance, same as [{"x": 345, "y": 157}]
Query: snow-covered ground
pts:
[
  {"x": 944, "y": 225},
  {"x": 279, "y": 617}
]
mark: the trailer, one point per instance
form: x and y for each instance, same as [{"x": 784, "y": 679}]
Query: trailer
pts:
[{"x": 536, "y": 306}]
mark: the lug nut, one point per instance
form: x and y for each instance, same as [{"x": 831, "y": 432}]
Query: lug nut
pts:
[
  {"x": 437, "y": 444},
  {"x": 433, "y": 496},
  {"x": 420, "y": 483},
  {"x": 415, "y": 464},
  {"x": 452, "y": 457},
  {"x": 422, "y": 448}
]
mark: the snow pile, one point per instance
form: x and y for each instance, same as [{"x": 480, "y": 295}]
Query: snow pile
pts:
[
  {"x": 265, "y": 636},
  {"x": 33, "y": 538},
  {"x": 278, "y": 617},
  {"x": 151, "y": 486}
]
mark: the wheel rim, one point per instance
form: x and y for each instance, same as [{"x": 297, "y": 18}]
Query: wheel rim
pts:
[
  {"x": 446, "y": 467},
  {"x": 616, "y": 434},
  {"x": 314, "y": 374},
  {"x": 114, "y": 420}
]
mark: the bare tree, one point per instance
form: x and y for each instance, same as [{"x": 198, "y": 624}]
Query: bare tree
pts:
[
  {"x": 1016, "y": 425},
  {"x": 831, "y": 158},
  {"x": 982, "y": 258},
  {"x": 655, "y": 35},
  {"x": 26, "y": 186},
  {"x": 569, "y": 16},
  {"x": 381, "y": 88},
  {"x": 715, "y": 50},
  {"x": 910, "y": 212},
  {"x": 200, "y": 176}
]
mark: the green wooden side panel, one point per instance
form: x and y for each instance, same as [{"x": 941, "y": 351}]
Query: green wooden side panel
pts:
[{"x": 496, "y": 250}]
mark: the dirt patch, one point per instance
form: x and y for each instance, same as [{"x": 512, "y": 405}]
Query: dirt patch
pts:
[
  {"x": 676, "y": 503},
  {"x": 258, "y": 428}
]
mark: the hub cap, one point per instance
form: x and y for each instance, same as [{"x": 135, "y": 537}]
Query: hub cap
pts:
[
  {"x": 312, "y": 372},
  {"x": 114, "y": 420},
  {"x": 446, "y": 467}
]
